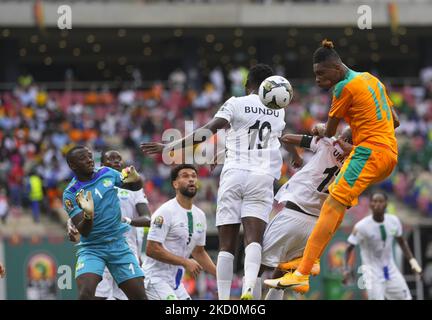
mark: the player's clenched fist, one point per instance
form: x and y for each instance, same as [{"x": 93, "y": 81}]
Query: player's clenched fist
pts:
[
  {"x": 2, "y": 271},
  {"x": 193, "y": 267},
  {"x": 130, "y": 175},
  {"x": 86, "y": 204},
  {"x": 319, "y": 129}
]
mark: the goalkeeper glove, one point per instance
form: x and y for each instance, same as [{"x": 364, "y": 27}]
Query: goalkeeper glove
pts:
[{"x": 130, "y": 175}]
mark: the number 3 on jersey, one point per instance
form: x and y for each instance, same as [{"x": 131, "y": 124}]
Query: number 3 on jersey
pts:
[{"x": 331, "y": 172}]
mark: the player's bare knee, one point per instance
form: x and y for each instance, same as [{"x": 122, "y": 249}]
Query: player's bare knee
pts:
[
  {"x": 228, "y": 247},
  {"x": 251, "y": 239},
  {"x": 253, "y": 230}
]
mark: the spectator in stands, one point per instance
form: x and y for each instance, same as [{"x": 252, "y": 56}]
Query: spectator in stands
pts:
[
  {"x": 36, "y": 195},
  {"x": 15, "y": 181}
]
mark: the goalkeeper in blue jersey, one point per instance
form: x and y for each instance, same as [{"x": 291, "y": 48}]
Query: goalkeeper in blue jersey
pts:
[{"x": 91, "y": 202}]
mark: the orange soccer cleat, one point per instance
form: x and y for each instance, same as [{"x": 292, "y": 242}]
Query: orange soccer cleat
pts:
[{"x": 296, "y": 282}]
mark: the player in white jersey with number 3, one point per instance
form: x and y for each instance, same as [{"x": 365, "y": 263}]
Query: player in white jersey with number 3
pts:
[
  {"x": 177, "y": 231},
  {"x": 252, "y": 162},
  {"x": 304, "y": 194},
  {"x": 375, "y": 234}
]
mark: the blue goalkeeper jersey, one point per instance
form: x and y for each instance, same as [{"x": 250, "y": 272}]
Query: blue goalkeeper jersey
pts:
[{"x": 107, "y": 224}]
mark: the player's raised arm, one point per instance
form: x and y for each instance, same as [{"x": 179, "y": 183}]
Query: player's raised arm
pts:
[
  {"x": 212, "y": 126},
  {"x": 130, "y": 178},
  {"x": 331, "y": 127},
  {"x": 84, "y": 220},
  {"x": 291, "y": 141},
  {"x": 326, "y": 129}
]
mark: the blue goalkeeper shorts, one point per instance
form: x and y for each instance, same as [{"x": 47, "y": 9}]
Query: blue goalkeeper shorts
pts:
[{"x": 115, "y": 255}]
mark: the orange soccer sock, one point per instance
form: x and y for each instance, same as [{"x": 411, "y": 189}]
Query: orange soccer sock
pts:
[{"x": 331, "y": 216}]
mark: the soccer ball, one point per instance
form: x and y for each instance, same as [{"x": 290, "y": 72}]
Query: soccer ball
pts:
[{"x": 275, "y": 92}]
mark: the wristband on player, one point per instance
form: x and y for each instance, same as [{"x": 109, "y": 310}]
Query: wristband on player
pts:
[
  {"x": 127, "y": 220},
  {"x": 415, "y": 266}
]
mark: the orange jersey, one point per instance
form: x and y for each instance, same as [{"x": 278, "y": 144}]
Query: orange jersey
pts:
[{"x": 361, "y": 99}]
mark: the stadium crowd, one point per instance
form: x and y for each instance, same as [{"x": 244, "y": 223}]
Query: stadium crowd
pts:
[{"x": 37, "y": 127}]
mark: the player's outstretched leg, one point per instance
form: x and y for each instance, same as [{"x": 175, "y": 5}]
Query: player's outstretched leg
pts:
[
  {"x": 134, "y": 288},
  {"x": 87, "y": 284},
  {"x": 228, "y": 237},
  {"x": 330, "y": 218},
  {"x": 254, "y": 230}
]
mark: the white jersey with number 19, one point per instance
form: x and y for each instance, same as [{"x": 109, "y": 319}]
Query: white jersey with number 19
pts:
[{"x": 252, "y": 142}]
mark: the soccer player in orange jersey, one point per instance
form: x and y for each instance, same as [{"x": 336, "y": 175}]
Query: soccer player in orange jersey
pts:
[{"x": 360, "y": 99}]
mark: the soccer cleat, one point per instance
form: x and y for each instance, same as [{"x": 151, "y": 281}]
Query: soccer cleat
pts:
[
  {"x": 297, "y": 283},
  {"x": 273, "y": 283},
  {"x": 247, "y": 295},
  {"x": 293, "y": 265}
]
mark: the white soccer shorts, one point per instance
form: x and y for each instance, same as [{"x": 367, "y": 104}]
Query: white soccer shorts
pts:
[
  {"x": 243, "y": 193},
  {"x": 158, "y": 289},
  {"x": 394, "y": 289},
  {"x": 286, "y": 236}
]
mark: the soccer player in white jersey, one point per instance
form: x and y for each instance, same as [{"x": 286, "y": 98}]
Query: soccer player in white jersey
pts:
[
  {"x": 177, "y": 231},
  {"x": 375, "y": 235},
  {"x": 304, "y": 194},
  {"x": 252, "y": 162},
  {"x": 135, "y": 211}
]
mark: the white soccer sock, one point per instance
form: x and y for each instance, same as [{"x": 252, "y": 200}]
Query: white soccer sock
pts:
[
  {"x": 257, "y": 293},
  {"x": 274, "y": 294},
  {"x": 224, "y": 274},
  {"x": 252, "y": 265}
]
